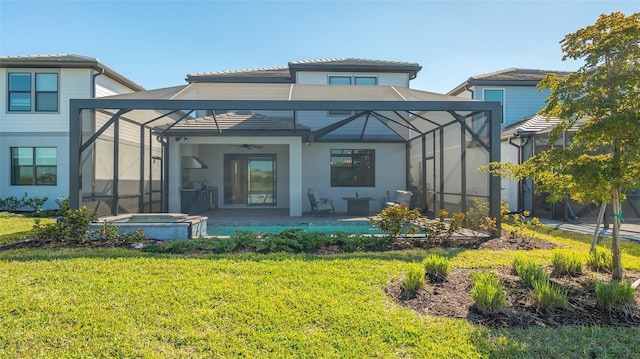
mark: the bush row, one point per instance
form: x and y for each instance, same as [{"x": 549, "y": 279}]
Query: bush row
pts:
[
  {"x": 289, "y": 240},
  {"x": 31, "y": 204}
]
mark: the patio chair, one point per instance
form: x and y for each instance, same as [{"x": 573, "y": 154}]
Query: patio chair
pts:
[
  {"x": 320, "y": 205},
  {"x": 400, "y": 197}
]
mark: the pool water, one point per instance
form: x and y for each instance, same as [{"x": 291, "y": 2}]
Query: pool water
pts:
[
  {"x": 149, "y": 219},
  {"x": 329, "y": 228}
]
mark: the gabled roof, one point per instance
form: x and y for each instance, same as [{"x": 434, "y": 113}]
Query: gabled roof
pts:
[
  {"x": 507, "y": 77},
  {"x": 536, "y": 125},
  {"x": 264, "y": 75},
  {"x": 287, "y": 74},
  {"x": 65, "y": 61}
]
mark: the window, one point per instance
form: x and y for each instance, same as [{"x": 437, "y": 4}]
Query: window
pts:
[
  {"x": 353, "y": 168},
  {"x": 339, "y": 80},
  {"x": 45, "y": 95},
  {"x": 20, "y": 91},
  {"x": 495, "y": 95},
  {"x": 366, "y": 80},
  {"x": 355, "y": 80},
  {"x": 34, "y": 166}
]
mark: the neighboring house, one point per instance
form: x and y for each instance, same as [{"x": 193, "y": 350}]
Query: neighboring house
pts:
[
  {"x": 514, "y": 88},
  {"x": 34, "y": 118},
  {"x": 263, "y": 138},
  {"x": 524, "y": 134}
]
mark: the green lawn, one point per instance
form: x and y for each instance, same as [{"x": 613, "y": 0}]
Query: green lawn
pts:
[
  {"x": 118, "y": 303},
  {"x": 14, "y": 227}
]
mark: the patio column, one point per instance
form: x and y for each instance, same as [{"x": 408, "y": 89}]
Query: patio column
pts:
[{"x": 295, "y": 178}]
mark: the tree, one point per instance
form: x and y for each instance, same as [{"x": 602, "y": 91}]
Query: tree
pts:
[{"x": 602, "y": 159}]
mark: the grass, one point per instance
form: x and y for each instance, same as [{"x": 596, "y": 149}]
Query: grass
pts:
[
  {"x": 14, "y": 227},
  {"x": 77, "y": 302}
]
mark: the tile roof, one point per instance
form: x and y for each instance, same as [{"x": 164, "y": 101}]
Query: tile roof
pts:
[
  {"x": 273, "y": 73},
  {"x": 287, "y": 73},
  {"x": 516, "y": 74},
  {"x": 65, "y": 61},
  {"x": 512, "y": 76},
  {"x": 536, "y": 125}
]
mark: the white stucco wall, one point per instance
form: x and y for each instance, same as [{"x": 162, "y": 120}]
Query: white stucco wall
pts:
[{"x": 316, "y": 173}]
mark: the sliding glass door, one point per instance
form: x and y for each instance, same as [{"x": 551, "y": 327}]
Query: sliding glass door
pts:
[{"x": 250, "y": 179}]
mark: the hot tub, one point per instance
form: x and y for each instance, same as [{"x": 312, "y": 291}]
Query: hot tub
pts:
[{"x": 158, "y": 225}]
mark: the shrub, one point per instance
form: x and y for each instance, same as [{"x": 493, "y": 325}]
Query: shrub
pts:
[
  {"x": 108, "y": 233},
  {"x": 396, "y": 218},
  {"x": 529, "y": 271},
  {"x": 477, "y": 219},
  {"x": 413, "y": 279},
  {"x": 550, "y": 295},
  {"x": 72, "y": 226},
  {"x": 520, "y": 228},
  {"x": 436, "y": 268},
  {"x": 615, "y": 295},
  {"x": 487, "y": 292},
  {"x": 566, "y": 263},
  {"x": 245, "y": 238},
  {"x": 13, "y": 203},
  {"x": 600, "y": 260},
  {"x": 442, "y": 229}
]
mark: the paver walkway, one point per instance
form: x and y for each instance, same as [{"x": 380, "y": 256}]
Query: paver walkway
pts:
[{"x": 629, "y": 231}]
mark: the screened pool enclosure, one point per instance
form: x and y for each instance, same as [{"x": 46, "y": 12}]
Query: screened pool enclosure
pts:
[{"x": 126, "y": 149}]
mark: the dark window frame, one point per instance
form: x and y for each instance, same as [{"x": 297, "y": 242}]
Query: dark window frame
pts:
[
  {"x": 38, "y": 92},
  {"x": 16, "y": 168},
  {"x": 33, "y": 92},
  {"x": 11, "y": 91},
  {"x": 360, "y": 173}
]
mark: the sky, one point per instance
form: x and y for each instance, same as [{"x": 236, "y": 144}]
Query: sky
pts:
[{"x": 157, "y": 43}]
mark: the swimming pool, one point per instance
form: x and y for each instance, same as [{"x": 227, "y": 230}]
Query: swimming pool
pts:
[{"x": 324, "y": 227}]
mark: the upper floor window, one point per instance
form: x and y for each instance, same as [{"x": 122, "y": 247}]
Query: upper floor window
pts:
[
  {"x": 353, "y": 168},
  {"x": 353, "y": 80},
  {"x": 495, "y": 95},
  {"x": 34, "y": 166},
  {"x": 26, "y": 88},
  {"x": 339, "y": 80}
]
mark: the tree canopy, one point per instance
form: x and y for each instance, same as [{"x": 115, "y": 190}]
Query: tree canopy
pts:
[{"x": 602, "y": 158}]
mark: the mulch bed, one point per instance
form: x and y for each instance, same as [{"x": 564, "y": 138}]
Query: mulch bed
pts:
[{"x": 452, "y": 299}]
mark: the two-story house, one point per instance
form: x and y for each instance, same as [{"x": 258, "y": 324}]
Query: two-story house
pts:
[
  {"x": 350, "y": 129},
  {"x": 34, "y": 118}
]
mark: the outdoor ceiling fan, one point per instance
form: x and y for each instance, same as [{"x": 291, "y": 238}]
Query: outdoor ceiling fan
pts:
[{"x": 249, "y": 146}]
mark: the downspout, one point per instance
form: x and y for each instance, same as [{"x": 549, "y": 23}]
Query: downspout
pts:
[
  {"x": 100, "y": 71},
  {"x": 467, "y": 88},
  {"x": 93, "y": 80},
  {"x": 519, "y": 147}
]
